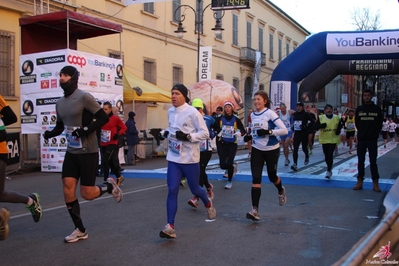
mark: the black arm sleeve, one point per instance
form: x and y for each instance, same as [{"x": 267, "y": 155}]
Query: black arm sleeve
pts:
[
  {"x": 317, "y": 125},
  {"x": 58, "y": 129},
  {"x": 9, "y": 116},
  {"x": 100, "y": 119}
]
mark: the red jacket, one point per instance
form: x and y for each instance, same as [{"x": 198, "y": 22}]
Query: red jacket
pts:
[{"x": 111, "y": 128}]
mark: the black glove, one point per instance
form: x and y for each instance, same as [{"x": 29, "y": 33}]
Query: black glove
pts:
[
  {"x": 164, "y": 135},
  {"x": 263, "y": 132},
  {"x": 79, "y": 132},
  {"x": 247, "y": 138},
  {"x": 181, "y": 136},
  {"x": 116, "y": 136},
  {"x": 47, "y": 134},
  {"x": 324, "y": 125}
]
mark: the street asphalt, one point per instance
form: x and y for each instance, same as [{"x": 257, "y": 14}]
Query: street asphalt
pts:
[{"x": 321, "y": 221}]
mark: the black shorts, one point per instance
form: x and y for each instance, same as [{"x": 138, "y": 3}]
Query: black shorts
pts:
[
  {"x": 350, "y": 134},
  {"x": 384, "y": 134},
  {"x": 83, "y": 166},
  {"x": 391, "y": 134}
]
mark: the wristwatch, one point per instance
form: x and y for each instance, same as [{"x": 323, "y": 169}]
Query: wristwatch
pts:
[
  {"x": 85, "y": 128},
  {"x": 188, "y": 137}
]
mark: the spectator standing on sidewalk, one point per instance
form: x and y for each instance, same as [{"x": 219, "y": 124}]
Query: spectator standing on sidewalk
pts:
[
  {"x": 32, "y": 201},
  {"x": 228, "y": 127},
  {"x": 132, "y": 139},
  {"x": 330, "y": 126},
  {"x": 80, "y": 115},
  {"x": 185, "y": 131},
  {"x": 266, "y": 126},
  {"x": 368, "y": 121},
  {"x": 300, "y": 136}
]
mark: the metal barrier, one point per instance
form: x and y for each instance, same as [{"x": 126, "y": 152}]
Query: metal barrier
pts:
[{"x": 384, "y": 236}]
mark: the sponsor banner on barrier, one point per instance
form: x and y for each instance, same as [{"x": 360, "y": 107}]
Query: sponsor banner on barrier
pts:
[{"x": 39, "y": 82}]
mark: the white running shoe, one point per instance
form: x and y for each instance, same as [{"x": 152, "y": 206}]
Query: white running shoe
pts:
[
  {"x": 235, "y": 165},
  {"x": 76, "y": 236},
  {"x": 328, "y": 174},
  {"x": 168, "y": 232},
  {"x": 116, "y": 191},
  {"x": 282, "y": 199},
  {"x": 253, "y": 215},
  {"x": 211, "y": 211},
  {"x": 228, "y": 185},
  {"x": 193, "y": 202},
  {"x": 287, "y": 162}
]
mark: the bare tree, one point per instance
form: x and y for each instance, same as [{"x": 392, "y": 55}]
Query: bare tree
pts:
[{"x": 363, "y": 19}]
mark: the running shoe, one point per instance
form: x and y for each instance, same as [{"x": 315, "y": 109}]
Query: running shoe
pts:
[
  {"x": 306, "y": 162},
  {"x": 253, "y": 215},
  {"x": 116, "y": 191},
  {"x": 336, "y": 153},
  {"x": 282, "y": 199},
  {"x": 4, "y": 217},
  {"x": 168, "y": 232},
  {"x": 35, "y": 209},
  {"x": 235, "y": 165},
  {"x": 120, "y": 180},
  {"x": 228, "y": 185},
  {"x": 249, "y": 154},
  {"x": 209, "y": 192},
  {"x": 350, "y": 152},
  {"x": 310, "y": 152},
  {"x": 328, "y": 174},
  {"x": 193, "y": 202},
  {"x": 225, "y": 175},
  {"x": 211, "y": 211},
  {"x": 76, "y": 236},
  {"x": 183, "y": 182},
  {"x": 294, "y": 167},
  {"x": 287, "y": 162}
]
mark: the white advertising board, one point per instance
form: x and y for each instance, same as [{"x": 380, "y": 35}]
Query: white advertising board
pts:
[{"x": 40, "y": 90}]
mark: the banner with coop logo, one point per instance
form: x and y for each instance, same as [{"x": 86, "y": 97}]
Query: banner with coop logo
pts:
[{"x": 40, "y": 90}]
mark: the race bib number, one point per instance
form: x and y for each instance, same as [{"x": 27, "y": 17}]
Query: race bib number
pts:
[
  {"x": 174, "y": 144},
  {"x": 351, "y": 126},
  {"x": 228, "y": 132},
  {"x": 297, "y": 125},
  {"x": 73, "y": 142},
  {"x": 105, "y": 135},
  {"x": 203, "y": 145}
]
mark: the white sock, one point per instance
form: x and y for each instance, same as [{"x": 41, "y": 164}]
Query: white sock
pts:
[{"x": 30, "y": 201}]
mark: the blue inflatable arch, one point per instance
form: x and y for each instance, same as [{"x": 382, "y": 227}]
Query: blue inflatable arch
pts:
[{"x": 324, "y": 52}]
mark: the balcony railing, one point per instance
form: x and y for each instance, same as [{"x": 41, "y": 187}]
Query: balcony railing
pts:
[{"x": 247, "y": 56}]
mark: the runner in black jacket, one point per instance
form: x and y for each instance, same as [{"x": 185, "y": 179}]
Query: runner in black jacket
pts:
[
  {"x": 368, "y": 121},
  {"x": 300, "y": 129}
]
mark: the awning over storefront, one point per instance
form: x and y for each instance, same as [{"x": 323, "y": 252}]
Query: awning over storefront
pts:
[
  {"x": 133, "y": 86},
  {"x": 60, "y": 30}
]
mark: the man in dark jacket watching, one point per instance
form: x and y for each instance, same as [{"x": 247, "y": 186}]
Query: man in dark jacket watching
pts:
[
  {"x": 368, "y": 121},
  {"x": 132, "y": 139}
]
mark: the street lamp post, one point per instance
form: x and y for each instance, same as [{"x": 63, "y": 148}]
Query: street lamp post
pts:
[{"x": 199, "y": 23}]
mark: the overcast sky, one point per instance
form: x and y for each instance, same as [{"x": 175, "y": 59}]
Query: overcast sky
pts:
[{"x": 335, "y": 15}]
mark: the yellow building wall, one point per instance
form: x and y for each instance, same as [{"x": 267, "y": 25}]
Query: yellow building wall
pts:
[{"x": 151, "y": 36}]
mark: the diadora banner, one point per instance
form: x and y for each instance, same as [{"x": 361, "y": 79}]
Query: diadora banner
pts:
[
  {"x": 40, "y": 90},
  {"x": 363, "y": 42}
]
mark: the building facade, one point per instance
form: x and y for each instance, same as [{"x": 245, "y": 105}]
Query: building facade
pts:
[{"x": 151, "y": 50}]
